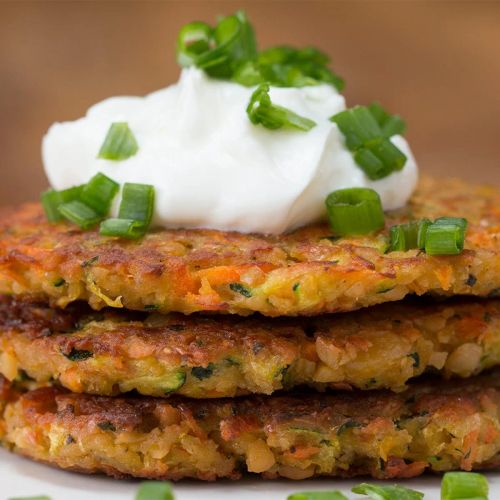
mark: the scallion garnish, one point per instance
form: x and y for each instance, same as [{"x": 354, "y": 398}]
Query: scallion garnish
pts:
[
  {"x": 377, "y": 156},
  {"x": 218, "y": 51},
  {"x": 317, "y": 495},
  {"x": 390, "y": 492},
  {"x": 52, "y": 200},
  {"x": 354, "y": 211},
  {"x": 37, "y": 497},
  {"x": 125, "y": 228},
  {"x": 119, "y": 143},
  {"x": 135, "y": 214},
  {"x": 404, "y": 237},
  {"x": 99, "y": 192},
  {"x": 444, "y": 236},
  {"x": 229, "y": 51},
  {"x": 80, "y": 214},
  {"x": 262, "y": 111},
  {"x": 288, "y": 67},
  {"x": 459, "y": 221},
  {"x": 389, "y": 124},
  {"x": 463, "y": 486},
  {"x": 154, "y": 490},
  {"x": 137, "y": 202},
  {"x": 444, "y": 239},
  {"x": 194, "y": 39}
]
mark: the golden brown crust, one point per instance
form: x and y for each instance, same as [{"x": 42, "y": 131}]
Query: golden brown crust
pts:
[
  {"x": 432, "y": 426},
  {"x": 303, "y": 273},
  {"x": 110, "y": 352}
]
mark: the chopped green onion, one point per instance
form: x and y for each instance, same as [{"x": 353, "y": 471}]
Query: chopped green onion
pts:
[
  {"x": 422, "y": 232},
  {"x": 52, "y": 200},
  {"x": 381, "y": 492},
  {"x": 463, "y": 486},
  {"x": 135, "y": 214},
  {"x": 80, "y": 214},
  {"x": 38, "y": 497},
  {"x": 59, "y": 282},
  {"x": 317, "y": 495},
  {"x": 123, "y": 228},
  {"x": 405, "y": 237},
  {"x": 194, "y": 39},
  {"x": 262, "y": 111},
  {"x": 397, "y": 237},
  {"x": 119, "y": 143},
  {"x": 389, "y": 124},
  {"x": 354, "y": 211},
  {"x": 444, "y": 239},
  {"x": 288, "y": 67},
  {"x": 99, "y": 192},
  {"x": 219, "y": 51},
  {"x": 154, "y": 490},
  {"x": 137, "y": 202},
  {"x": 459, "y": 221},
  {"x": 377, "y": 156}
]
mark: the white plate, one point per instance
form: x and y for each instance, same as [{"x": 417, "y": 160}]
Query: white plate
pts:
[{"x": 21, "y": 477}]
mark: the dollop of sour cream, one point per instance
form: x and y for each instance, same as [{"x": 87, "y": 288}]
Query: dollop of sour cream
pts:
[{"x": 211, "y": 167}]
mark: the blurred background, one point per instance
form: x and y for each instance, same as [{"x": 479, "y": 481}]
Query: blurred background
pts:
[{"x": 435, "y": 63}]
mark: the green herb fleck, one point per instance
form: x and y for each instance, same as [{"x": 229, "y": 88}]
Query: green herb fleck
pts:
[
  {"x": 241, "y": 289},
  {"x": 201, "y": 372},
  {"x": 88, "y": 263},
  {"x": 471, "y": 280},
  {"x": 106, "y": 426},
  {"x": 78, "y": 355},
  {"x": 416, "y": 359},
  {"x": 350, "y": 424},
  {"x": 59, "y": 282}
]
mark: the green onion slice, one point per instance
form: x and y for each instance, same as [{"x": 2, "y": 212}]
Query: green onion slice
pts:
[
  {"x": 80, "y": 214},
  {"x": 354, "y": 211},
  {"x": 135, "y": 214},
  {"x": 99, "y": 192},
  {"x": 459, "y": 221},
  {"x": 423, "y": 225},
  {"x": 389, "y": 124},
  {"x": 381, "y": 492},
  {"x": 194, "y": 39},
  {"x": 377, "y": 156},
  {"x": 286, "y": 66},
  {"x": 262, "y": 111},
  {"x": 405, "y": 237},
  {"x": 37, "y": 497},
  {"x": 124, "y": 228},
  {"x": 137, "y": 202},
  {"x": 119, "y": 143},
  {"x": 463, "y": 486},
  {"x": 444, "y": 239},
  {"x": 154, "y": 490},
  {"x": 317, "y": 495},
  {"x": 218, "y": 51},
  {"x": 52, "y": 200}
]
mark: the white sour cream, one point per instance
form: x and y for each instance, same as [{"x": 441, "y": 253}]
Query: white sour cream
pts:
[{"x": 211, "y": 167}]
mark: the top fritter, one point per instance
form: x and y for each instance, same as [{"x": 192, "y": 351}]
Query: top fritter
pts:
[{"x": 303, "y": 273}]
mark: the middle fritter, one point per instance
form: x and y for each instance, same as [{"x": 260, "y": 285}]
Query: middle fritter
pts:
[{"x": 112, "y": 352}]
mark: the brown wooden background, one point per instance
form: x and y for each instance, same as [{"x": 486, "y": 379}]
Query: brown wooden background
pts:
[{"x": 436, "y": 63}]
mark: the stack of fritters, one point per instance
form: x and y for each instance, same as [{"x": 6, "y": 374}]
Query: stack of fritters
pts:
[{"x": 158, "y": 393}]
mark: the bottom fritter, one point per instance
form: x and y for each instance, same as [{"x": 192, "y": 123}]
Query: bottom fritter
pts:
[{"x": 432, "y": 426}]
